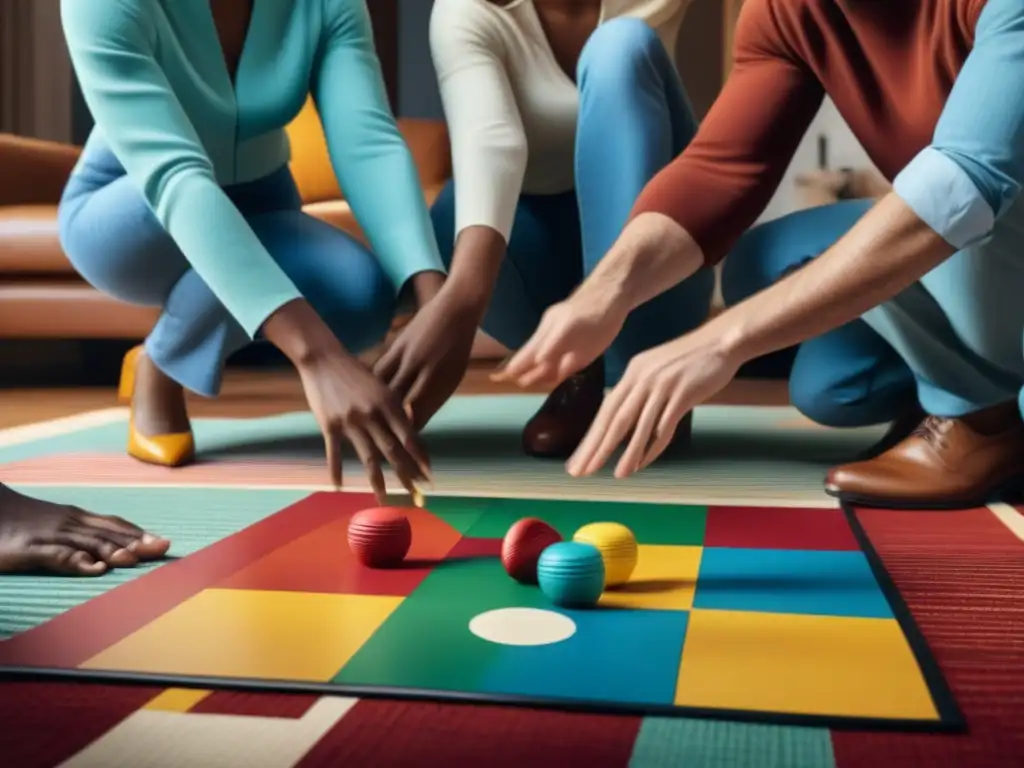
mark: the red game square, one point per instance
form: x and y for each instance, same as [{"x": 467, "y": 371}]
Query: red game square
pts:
[
  {"x": 321, "y": 561},
  {"x": 779, "y": 528}
]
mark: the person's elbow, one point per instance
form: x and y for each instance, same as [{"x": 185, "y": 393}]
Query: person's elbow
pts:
[{"x": 958, "y": 194}]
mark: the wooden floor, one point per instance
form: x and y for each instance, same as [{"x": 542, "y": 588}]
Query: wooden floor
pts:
[{"x": 262, "y": 393}]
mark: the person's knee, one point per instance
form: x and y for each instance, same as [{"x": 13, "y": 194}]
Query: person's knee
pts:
[
  {"x": 362, "y": 315},
  {"x": 825, "y": 397},
  {"x": 124, "y": 253},
  {"x": 820, "y": 402},
  {"x": 769, "y": 252},
  {"x": 616, "y": 51}
]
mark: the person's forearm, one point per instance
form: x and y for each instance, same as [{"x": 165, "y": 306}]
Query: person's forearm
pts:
[
  {"x": 887, "y": 251},
  {"x": 652, "y": 254},
  {"x": 425, "y": 286},
  {"x": 476, "y": 263}
]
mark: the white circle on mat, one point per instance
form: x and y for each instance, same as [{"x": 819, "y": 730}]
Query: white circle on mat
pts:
[{"x": 522, "y": 626}]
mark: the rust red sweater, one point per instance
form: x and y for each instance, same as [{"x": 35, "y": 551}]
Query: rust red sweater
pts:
[{"x": 888, "y": 65}]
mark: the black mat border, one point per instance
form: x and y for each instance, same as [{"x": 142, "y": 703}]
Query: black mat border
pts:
[{"x": 951, "y": 719}]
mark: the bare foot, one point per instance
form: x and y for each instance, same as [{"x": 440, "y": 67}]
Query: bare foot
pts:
[
  {"x": 40, "y": 536},
  {"x": 158, "y": 404}
]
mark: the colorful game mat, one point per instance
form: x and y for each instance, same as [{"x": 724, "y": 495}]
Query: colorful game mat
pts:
[{"x": 770, "y": 614}]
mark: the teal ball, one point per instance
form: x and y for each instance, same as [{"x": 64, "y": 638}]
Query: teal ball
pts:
[{"x": 571, "y": 574}]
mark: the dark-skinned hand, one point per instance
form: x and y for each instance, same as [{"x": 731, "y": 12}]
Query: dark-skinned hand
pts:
[
  {"x": 427, "y": 361},
  {"x": 349, "y": 402}
]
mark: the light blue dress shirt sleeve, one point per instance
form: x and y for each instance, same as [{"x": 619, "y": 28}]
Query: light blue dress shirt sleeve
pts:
[
  {"x": 373, "y": 164},
  {"x": 974, "y": 168},
  {"x": 111, "y": 45}
]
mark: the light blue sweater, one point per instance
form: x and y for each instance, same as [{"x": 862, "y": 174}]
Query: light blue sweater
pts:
[{"x": 153, "y": 75}]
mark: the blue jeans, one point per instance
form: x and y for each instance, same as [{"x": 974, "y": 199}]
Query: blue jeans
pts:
[
  {"x": 634, "y": 118},
  {"x": 114, "y": 241},
  {"x": 950, "y": 342},
  {"x": 849, "y": 377}
]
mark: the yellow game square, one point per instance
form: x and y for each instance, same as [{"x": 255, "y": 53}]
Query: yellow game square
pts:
[
  {"x": 665, "y": 579},
  {"x": 798, "y": 664},
  {"x": 252, "y": 634}
]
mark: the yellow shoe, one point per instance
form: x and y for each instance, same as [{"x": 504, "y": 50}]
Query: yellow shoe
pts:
[{"x": 170, "y": 450}]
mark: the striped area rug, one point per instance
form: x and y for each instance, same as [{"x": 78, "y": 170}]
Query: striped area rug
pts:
[
  {"x": 739, "y": 455},
  {"x": 961, "y": 573}
]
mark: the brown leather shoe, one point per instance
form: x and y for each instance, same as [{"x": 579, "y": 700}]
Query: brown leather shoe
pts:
[
  {"x": 943, "y": 464},
  {"x": 562, "y": 422},
  {"x": 899, "y": 430}
]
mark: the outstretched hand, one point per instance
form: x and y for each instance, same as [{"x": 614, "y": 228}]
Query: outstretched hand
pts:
[
  {"x": 572, "y": 334},
  {"x": 349, "y": 402},
  {"x": 659, "y": 388}
]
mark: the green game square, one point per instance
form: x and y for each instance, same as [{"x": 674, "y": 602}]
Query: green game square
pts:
[
  {"x": 666, "y": 524},
  {"x": 460, "y": 512},
  {"x": 412, "y": 649}
]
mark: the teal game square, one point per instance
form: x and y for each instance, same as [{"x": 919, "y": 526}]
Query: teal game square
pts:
[
  {"x": 613, "y": 655},
  {"x": 789, "y": 581}
]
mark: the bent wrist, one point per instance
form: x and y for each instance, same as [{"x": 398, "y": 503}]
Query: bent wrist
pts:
[
  {"x": 606, "y": 296},
  {"x": 300, "y": 333}
]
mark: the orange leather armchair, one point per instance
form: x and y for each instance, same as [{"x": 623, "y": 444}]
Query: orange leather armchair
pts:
[
  {"x": 41, "y": 296},
  {"x": 311, "y": 165}
]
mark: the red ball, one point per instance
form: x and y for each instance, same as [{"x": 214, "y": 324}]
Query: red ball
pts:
[
  {"x": 522, "y": 546},
  {"x": 380, "y": 537}
]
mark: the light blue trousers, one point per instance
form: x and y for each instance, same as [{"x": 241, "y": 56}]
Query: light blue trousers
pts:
[
  {"x": 952, "y": 341},
  {"x": 115, "y": 242},
  {"x": 634, "y": 118}
]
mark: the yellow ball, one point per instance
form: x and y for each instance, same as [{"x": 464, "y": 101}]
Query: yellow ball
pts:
[{"x": 617, "y": 546}]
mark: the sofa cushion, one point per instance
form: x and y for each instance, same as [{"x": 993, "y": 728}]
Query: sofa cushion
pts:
[
  {"x": 68, "y": 309},
  {"x": 29, "y": 243},
  {"x": 33, "y": 171}
]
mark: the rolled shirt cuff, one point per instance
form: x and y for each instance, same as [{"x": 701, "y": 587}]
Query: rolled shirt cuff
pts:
[{"x": 945, "y": 198}]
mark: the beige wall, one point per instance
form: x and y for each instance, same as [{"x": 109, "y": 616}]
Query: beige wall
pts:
[{"x": 35, "y": 73}]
